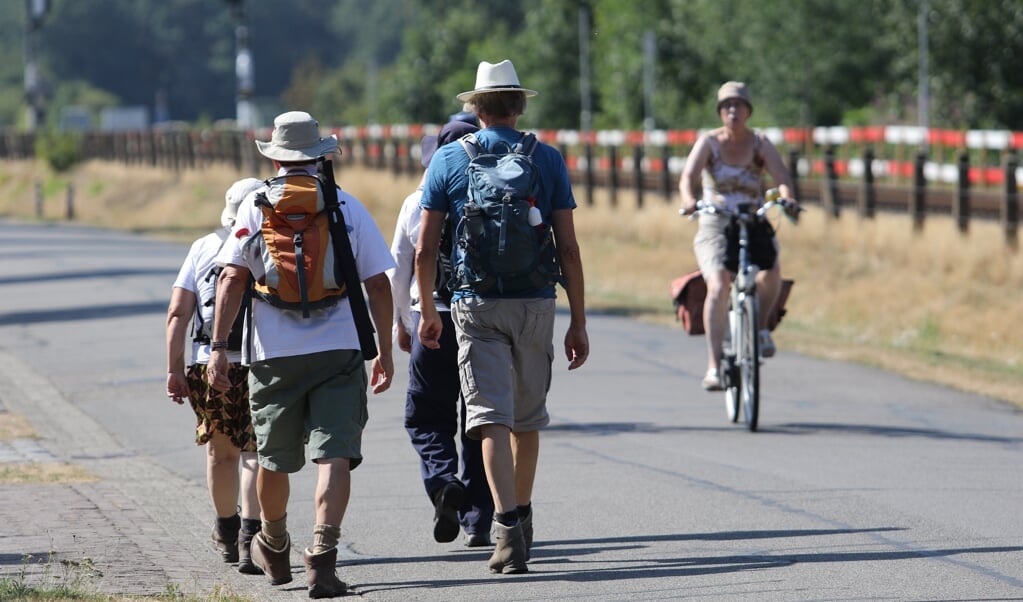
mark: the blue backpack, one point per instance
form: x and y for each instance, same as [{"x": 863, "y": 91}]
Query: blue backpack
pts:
[{"x": 505, "y": 247}]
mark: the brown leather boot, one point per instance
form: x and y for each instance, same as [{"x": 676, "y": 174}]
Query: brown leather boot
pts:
[
  {"x": 509, "y": 550},
  {"x": 527, "y": 533},
  {"x": 225, "y": 537},
  {"x": 245, "y": 564},
  {"x": 275, "y": 563},
  {"x": 321, "y": 576}
]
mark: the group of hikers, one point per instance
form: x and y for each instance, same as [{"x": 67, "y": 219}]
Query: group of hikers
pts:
[{"x": 281, "y": 331}]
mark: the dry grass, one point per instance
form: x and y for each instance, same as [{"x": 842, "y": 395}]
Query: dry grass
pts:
[
  {"x": 13, "y": 426},
  {"x": 933, "y": 305},
  {"x": 44, "y": 472}
]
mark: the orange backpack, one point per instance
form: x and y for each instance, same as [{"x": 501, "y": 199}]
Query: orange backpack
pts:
[{"x": 300, "y": 271}]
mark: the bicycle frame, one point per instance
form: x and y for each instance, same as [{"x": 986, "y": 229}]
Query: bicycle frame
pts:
[{"x": 740, "y": 351}]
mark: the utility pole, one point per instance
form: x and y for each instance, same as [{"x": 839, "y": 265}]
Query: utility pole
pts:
[
  {"x": 649, "y": 72},
  {"x": 35, "y": 11},
  {"x": 243, "y": 69},
  {"x": 923, "y": 94},
  {"x": 586, "y": 112}
]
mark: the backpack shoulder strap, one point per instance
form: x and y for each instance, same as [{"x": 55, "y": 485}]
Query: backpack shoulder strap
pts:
[
  {"x": 471, "y": 144},
  {"x": 327, "y": 184},
  {"x": 526, "y": 144}
]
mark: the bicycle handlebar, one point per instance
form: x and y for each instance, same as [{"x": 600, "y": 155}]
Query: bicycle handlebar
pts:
[{"x": 790, "y": 208}]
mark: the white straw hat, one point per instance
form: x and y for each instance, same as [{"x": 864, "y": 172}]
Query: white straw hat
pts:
[
  {"x": 296, "y": 137},
  {"x": 496, "y": 78}
]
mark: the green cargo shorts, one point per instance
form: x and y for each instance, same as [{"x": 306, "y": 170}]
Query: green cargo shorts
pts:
[{"x": 322, "y": 395}]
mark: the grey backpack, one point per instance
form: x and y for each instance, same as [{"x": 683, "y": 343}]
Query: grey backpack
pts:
[{"x": 503, "y": 245}]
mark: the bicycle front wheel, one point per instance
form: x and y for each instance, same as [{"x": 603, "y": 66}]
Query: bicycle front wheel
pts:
[
  {"x": 749, "y": 362},
  {"x": 729, "y": 366}
]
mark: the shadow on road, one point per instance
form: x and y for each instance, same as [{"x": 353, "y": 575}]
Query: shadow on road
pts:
[
  {"x": 887, "y": 431},
  {"x": 555, "y": 555},
  {"x": 95, "y": 312},
  {"x": 111, "y": 273}
]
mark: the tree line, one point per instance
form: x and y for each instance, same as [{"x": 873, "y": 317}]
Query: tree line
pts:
[{"x": 650, "y": 62}]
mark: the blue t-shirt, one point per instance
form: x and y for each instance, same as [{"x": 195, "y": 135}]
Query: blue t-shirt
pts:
[{"x": 447, "y": 184}]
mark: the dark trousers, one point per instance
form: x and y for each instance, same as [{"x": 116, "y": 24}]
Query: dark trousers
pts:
[{"x": 434, "y": 415}]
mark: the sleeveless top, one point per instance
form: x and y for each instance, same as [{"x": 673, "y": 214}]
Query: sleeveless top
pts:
[{"x": 731, "y": 185}]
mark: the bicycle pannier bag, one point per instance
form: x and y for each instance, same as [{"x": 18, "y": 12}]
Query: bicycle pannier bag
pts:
[{"x": 689, "y": 291}]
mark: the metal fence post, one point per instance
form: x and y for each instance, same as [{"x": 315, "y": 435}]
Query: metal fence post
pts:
[
  {"x": 919, "y": 200},
  {"x": 589, "y": 173},
  {"x": 1010, "y": 206},
  {"x": 961, "y": 206},
  {"x": 637, "y": 169},
  {"x": 831, "y": 199},
  {"x": 612, "y": 175},
  {"x": 666, "y": 186},
  {"x": 794, "y": 173},
  {"x": 869, "y": 196},
  {"x": 38, "y": 197},
  {"x": 70, "y": 201}
]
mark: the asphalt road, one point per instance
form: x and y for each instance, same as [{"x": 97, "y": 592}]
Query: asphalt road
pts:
[{"x": 860, "y": 485}]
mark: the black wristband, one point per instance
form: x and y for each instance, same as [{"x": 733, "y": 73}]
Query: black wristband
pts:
[{"x": 218, "y": 345}]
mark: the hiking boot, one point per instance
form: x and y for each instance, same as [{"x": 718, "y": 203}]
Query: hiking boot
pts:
[
  {"x": 712, "y": 381},
  {"x": 477, "y": 540},
  {"x": 527, "y": 532},
  {"x": 509, "y": 555},
  {"x": 276, "y": 564},
  {"x": 225, "y": 537},
  {"x": 766, "y": 343},
  {"x": 321, "y": 576},
  {"x": 245, "y": 564},
  {"x": 446, "y": 503}
]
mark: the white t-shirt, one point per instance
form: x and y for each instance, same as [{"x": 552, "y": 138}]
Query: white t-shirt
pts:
[
  {"x": 283, "y": 333},
  {"x": 193, "y": 278},
  {"x": 404, "y": 288}
]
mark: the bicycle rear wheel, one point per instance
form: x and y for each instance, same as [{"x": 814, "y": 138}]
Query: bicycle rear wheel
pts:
[{"x": 749, "y": 361}]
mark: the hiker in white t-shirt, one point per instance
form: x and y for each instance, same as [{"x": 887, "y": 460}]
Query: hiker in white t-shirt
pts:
[
  {"x": 223, "y": 424},
  {"x": 306, "y": 374}
]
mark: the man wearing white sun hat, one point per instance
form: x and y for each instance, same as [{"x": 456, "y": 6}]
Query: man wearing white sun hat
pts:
[{"x": 505, "y": 341}]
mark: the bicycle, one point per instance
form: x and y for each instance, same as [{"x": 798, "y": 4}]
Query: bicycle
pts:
[{"x": 740, "y": 361}]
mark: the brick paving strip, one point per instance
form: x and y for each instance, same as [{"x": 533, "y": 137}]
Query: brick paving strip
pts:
[{"x": 136, "y": 530}]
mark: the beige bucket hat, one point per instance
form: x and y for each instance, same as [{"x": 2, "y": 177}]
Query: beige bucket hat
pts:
[
  {"x": 296, "y": 137},
  {"x": 730, "y": 90}
]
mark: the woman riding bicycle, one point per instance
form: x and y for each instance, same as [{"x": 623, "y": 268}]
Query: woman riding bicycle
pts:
[{"x": 732, "y": 160}]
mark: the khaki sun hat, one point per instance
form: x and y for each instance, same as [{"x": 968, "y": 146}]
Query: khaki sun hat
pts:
[
  {"x": 730, "y": 90},
  {"x": 496, "y": 78},
  {"x": 296, "y": 137}
]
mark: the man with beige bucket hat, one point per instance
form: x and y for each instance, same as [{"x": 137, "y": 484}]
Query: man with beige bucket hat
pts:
[{"x": 306, "y": 374}]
